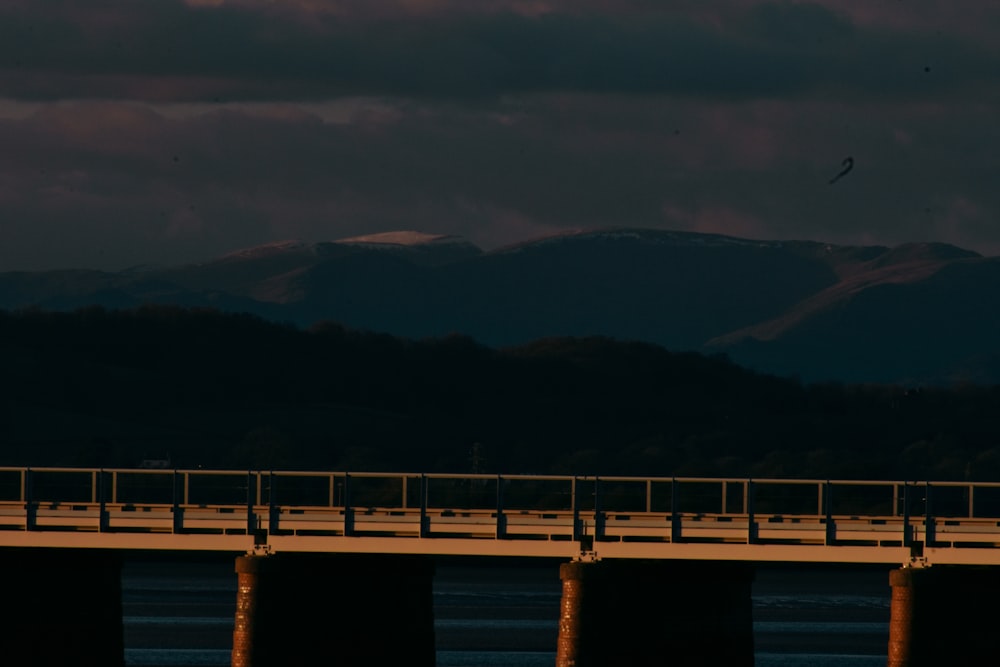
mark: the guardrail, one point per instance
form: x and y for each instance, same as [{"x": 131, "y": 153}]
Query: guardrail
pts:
[{"x": 502, "y": 514}]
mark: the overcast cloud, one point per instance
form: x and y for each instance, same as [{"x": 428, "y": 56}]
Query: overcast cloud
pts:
[{"x": 165, "y": 131}]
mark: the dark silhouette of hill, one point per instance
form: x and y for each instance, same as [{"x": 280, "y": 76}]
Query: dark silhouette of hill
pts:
[
  {"x": 919, "y": 314},
  {"x": 102, "y": 387},
  {"x": 911, "y": 322}
]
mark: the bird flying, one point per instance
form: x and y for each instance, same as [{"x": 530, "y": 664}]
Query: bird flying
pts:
[{"x": 848, "y": 164}]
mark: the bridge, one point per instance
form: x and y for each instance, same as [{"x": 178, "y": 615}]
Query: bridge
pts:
[
  {"x": 694, "y": 537},
  {"x": 791, "y": 520}
]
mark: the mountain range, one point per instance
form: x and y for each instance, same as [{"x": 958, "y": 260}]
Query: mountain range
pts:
[{"x": 917, "y": 314}]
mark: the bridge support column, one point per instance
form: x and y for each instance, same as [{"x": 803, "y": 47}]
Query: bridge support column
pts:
[
  {"x": 61, "y": 607},
  {"x": 347, "y": 609},
  {"x": 943, "y": 615},
  {"x": 645, "y": 613}
]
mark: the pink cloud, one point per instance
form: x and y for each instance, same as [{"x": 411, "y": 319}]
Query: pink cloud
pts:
[
  {"x": 933, "y": 17},
  {"x": 106, "y": 128},
  {"x": 490, "y": 226},
  {"x": 902, "y": 137},
  {"x": 714, "y": 219},
  {"x": 495, "y": 172},
  {"x": 184, "y": 223},
  {"x": 961, "y": 219}
]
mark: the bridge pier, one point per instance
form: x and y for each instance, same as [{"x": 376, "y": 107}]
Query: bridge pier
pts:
[
  {"x": 61, "y": 607},
  {"x": 349, "y": 609},
  {"x": 943, "y": 615},
  {"x": 655, "y": 612}
]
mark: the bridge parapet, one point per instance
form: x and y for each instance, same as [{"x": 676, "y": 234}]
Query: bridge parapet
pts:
[{"x": 530, "y": 515}]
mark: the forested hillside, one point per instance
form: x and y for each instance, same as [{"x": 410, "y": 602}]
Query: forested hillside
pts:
[
  {"x": 99, "y": 387},
  {"x": 916, "y": 314}
]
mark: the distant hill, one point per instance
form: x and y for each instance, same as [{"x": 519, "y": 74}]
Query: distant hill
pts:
[
  {"x": 206, "y": 389},
  {"x": 915, "y": 315}
]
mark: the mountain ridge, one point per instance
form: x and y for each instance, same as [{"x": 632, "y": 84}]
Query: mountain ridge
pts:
[{"x": 818, "y": 311}]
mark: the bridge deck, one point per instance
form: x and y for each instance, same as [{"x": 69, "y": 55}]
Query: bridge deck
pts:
[{"x": 444, "y": 514}]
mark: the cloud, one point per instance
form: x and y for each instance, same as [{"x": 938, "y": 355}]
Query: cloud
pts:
[
  {"x": 122, "y": 184},
  {"x": 163, "y": 50},
  {"x": 167, "y": 130}
]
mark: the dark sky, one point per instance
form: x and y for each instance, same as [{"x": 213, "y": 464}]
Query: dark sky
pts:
[{"x": 164, "y": 131}]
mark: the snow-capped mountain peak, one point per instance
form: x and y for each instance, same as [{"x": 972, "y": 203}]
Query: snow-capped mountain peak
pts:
[{"x": 401, "y": 238}]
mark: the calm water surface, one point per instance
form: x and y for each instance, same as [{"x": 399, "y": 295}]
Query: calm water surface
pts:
[{"x": 181, "y": 614}]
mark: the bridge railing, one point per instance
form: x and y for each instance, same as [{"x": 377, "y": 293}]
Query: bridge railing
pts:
[{"x": 496, "y": 506}]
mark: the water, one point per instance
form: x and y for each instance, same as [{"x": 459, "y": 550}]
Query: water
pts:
[{"x": 180, "y": 614}]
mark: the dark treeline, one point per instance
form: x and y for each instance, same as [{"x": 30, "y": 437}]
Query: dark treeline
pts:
[{"x": 111, "y": 388}]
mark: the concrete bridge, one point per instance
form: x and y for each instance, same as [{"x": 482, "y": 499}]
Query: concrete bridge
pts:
[{"x": 657, "y": 570}]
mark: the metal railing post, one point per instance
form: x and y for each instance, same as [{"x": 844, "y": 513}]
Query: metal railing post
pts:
[
  {"x": 575, "y": 508},
  {"x": 348, "y": 510},
  {"x": 907, "y": 528},
  {"x": 501, "y": 517},
  {"x": 179, "y": 492},
  {"x": 598, "y": 511},
  {"x": 102, "y": 512},
  {"x": 273, "y": 512},
  {"x": 425, "y": 529},
  {"x": 827, "y": 508},
  {"x": 929, "y": 531},
  {"x": 28, "y": 495},
  {"x": 675, "y": 513},
  {"x": 251, "y": 517}
]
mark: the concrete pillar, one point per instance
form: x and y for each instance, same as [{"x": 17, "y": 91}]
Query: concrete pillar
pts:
[
  {"x": 61, "y": 607},
  {"x": 645, "y": 613},
  {"x": 342, "y": 609},
  {"x": 943, "y": 615}
]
